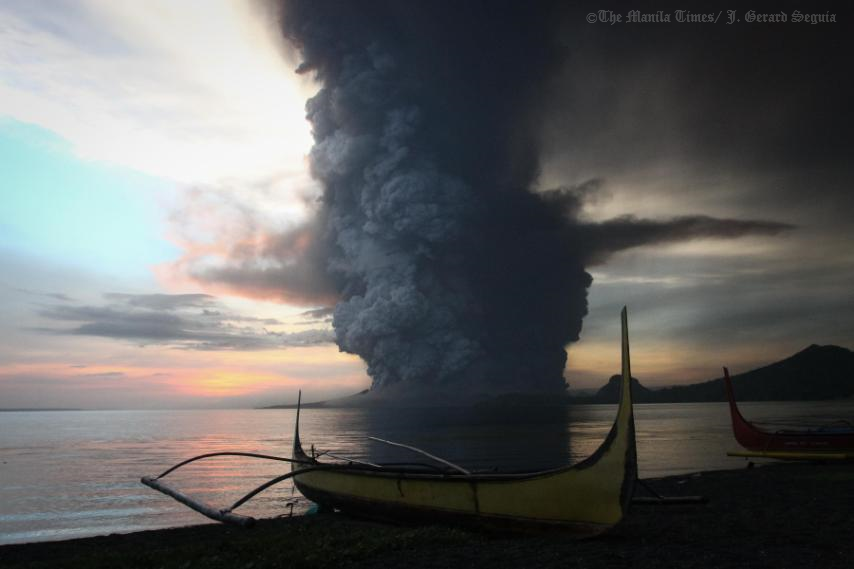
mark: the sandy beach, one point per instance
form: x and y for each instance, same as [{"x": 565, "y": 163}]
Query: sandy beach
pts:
[{"x": 781, "y": 515}]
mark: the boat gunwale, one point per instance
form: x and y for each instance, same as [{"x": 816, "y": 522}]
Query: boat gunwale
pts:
[{"x": 358, "y": 469}]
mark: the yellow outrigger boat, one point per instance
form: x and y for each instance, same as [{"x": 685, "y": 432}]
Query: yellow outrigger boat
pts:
[{"x": 586, "y": 498}]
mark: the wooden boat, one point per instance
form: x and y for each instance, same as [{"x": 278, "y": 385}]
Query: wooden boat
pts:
[
  {"x": 788, "y": 443},
  {"x": 586, "y": 498}
]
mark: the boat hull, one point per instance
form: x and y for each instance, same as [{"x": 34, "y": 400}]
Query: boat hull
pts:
[
  {"x": 755, "y": 439},
  {"x": 585, "y": 499},
  {"x": 407, "y": 512}
]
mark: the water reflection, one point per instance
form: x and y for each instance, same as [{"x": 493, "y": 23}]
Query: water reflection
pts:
[
  {"x": 70, "y": 474},
  {"x": 481, "y": 438}
]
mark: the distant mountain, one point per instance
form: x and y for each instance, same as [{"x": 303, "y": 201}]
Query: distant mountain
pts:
[
  {"x": 610, "y": 393},
  {"x": 348, "y": 401},
  {"x": 816, "y": 373},
  {"x": 36, "y": 409}
]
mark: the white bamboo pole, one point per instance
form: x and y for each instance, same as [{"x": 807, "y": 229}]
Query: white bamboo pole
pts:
[
  {"x": 425, "y": 453},
  {"x": 204, "y": 509}
]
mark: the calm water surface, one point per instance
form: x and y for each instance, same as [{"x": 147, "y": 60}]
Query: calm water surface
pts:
[{"x": 76, "y": 473}]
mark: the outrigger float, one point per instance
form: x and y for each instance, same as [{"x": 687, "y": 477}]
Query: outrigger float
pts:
[
  {"x": 829, "y": 442},
  {"x": 585, "y": 499}
]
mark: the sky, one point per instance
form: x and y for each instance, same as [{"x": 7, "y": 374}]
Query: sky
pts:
[
  {"x": 154, "y": 173},
  {"x": 135, "y": 137}
]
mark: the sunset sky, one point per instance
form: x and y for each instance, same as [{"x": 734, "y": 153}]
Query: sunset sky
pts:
[{"x": 144, "y": 144}]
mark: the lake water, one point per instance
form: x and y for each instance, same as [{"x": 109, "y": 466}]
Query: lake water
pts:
[{"x": 66, "y": 474}]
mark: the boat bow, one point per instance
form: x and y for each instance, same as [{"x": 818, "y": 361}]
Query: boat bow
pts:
[
  {"x": 588, "y": 497},
  {"x": 804, "y": 444}
]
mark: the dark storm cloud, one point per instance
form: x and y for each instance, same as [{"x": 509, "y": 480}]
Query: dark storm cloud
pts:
[
  {"x": 740, "y": 309},
  {"x": 772, "y": 313},
  {"x": 708, "y": 99},
  {"x": 189, "y": 321},
  {"x": 162, "y": 301},
  {"x": 323, "y": 313},
  {"x": 51, "y": 295},
  {"x": 749, "y": 120},
  {"x": 571, "y": 199}
]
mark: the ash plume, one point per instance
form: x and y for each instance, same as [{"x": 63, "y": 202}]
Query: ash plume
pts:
[{"x": 449, "y": 271}]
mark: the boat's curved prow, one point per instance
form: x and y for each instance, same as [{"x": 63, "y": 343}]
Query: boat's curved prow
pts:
[
  {"x": 745, "y": 433},
  {"x": 794, "y": 444},
  {"x": 625, "y": 416},
  {"x": 733, "y": 407},
  {"x": 586, "y": 498},
  {"x": 297, "y": 452}
]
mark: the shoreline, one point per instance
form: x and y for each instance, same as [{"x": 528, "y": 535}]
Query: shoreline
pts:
[{"x": 780, "y": 515}]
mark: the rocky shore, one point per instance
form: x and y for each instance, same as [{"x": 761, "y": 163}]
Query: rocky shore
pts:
[{"x": 782, "y": 515}]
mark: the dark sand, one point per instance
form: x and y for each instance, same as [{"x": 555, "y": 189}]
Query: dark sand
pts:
[{"x": 789, "y": 515}]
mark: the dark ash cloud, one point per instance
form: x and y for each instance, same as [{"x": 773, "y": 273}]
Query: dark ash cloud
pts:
[
  {"x": 736, "y": 310},
  {"x": 447, "y": 268},
  {"x": 432, "y": 236},
  {"x": 740, "y": 121},
  {"x": 711, "y": 102},
  {"x": 626, "y": 232},
  {"x": 289, "y": 267},
  {"x": 252, "y": 254}
]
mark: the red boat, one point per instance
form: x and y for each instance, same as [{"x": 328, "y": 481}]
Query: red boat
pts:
[{"x": 838, "y": 438}]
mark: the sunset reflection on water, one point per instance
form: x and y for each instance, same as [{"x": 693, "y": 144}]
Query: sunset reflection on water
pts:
[{"x": 73, "y": 474}]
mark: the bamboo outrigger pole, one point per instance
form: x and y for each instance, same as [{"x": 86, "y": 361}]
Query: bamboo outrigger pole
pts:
[
  {"x": 225, "y": 515},
  {"x": 220, "y": 514},
  {"x": 199, "y": 506},
  {"x": 425, "y": 453}
]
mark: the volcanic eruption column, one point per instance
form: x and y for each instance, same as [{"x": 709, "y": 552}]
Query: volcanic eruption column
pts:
[{"x": 451, "y": 273}]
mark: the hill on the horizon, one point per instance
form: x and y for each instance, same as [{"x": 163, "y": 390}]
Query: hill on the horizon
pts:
[
  {"x": 610, "y": 393},
  {"x": 815, "y": 373}
]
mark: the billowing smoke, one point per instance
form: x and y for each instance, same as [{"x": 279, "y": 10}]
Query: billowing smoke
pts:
[{"x": 450, "y": 270}]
